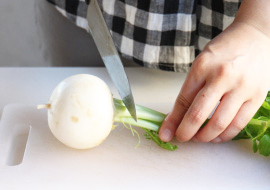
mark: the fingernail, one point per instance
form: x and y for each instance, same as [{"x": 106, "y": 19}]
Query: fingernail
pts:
[
  {"x": 166, "y": 135},
  {"x": 194, "y": 139},
  {"x": 217, "y": 140}
]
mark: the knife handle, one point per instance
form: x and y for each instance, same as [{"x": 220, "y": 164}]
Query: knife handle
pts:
[{"x": 87, "y": 2}]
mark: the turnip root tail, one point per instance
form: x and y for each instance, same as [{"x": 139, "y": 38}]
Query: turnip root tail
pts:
[{"x": 44, "y": 106}]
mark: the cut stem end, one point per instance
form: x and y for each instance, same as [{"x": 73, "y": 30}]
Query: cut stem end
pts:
[{"x": 44, "y": 106}]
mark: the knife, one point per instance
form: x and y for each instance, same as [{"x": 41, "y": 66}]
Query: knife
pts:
[{"x": 109, "y": 54}]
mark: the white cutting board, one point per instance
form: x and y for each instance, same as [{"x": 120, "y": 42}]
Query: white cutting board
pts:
[{"x": 117, "y": 164}]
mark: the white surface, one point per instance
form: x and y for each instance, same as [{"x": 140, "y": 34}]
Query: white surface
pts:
[{"x": 115, "y": 164}]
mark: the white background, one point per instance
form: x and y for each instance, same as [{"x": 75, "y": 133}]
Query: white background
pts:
[{"x": 34, "y": 33}]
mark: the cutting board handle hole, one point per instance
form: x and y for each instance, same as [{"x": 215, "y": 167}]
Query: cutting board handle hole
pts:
[{"x": 18, "y": 143}]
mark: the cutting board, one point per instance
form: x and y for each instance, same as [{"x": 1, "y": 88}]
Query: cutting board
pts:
[{"x": 32, "y": 158}]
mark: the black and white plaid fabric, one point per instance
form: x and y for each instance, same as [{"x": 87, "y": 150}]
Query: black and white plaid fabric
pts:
[{"x": 160, "y": 34}]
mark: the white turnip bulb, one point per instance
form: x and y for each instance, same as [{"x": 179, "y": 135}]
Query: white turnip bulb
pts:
[{"x": 82, "y": 111}]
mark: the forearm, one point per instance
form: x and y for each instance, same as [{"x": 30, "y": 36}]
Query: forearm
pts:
[{"x": 255, "y": 13}]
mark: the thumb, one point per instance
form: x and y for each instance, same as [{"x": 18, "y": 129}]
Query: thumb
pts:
[{"x": 174, "y": 118}]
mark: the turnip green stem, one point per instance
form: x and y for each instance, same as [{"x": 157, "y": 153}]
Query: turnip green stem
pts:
[{"x": 148, "y": 119}]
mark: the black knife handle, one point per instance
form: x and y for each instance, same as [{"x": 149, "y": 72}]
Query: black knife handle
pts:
[{"x": 87, "y": 1}]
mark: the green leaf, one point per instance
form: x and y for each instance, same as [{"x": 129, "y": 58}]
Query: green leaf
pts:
[
  {"x": 263, "y": 118},
  {"x": 153, "y": 135},
  {"x": 264, "y": 145},
  {"x": 253, "y": 130},
  {"x": 264, "y": 110},
  {"x": 242, "y": 135},
  {"x": 265, "y": 104},
  {"x": 255, "y": 146},
  {"x": 256, "y": 128}
]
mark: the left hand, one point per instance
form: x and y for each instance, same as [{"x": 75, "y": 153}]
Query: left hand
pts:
[{"x": 233, "y": 69}]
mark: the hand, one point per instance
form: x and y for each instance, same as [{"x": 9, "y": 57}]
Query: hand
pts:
[{"x": 233, "y": 69}]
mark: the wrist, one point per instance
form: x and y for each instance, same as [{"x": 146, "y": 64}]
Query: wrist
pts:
[{"x": 255, "y": 14}]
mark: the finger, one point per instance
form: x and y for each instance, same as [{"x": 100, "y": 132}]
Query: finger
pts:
[
  {"x": 246, "y": 112},
  {"x": 222, "y": 117},
  {"x": 171, "y": 122},
  {"x": 190, "y": 88},
  {"x": 201, "y": 108}
]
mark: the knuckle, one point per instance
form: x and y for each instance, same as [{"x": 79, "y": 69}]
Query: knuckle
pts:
[
  {"x": 239, "y": 124},
  {"x": 182, "y": 137},
  {"x": 196, "y": 116},
  {"x": 173, "y": 121},
  {"x": 233, "y": 130},
  {"x": 182, "y": 102},
  {"x": 224, "y": 71},
  {"x": 200, "y": 62},
  {"x": 224, "y": 137},
  {"x": 260, "y": 93},
  {"x": 219, "y": 124},
  {"x": 242, "y": 83}
]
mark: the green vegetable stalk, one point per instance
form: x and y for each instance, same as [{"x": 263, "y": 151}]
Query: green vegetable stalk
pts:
[
  {"x": 148, "y": 119},
  {"x": 257, "y": 130}
]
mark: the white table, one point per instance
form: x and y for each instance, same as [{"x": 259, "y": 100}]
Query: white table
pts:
[{"x": 116, "y": 164}]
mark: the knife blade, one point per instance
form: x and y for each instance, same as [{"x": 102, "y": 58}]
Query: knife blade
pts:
[{"x": 109, "y": 54}]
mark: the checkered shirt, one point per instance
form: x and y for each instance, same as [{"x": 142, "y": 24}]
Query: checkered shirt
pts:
[{"x": 160, "y": 34}]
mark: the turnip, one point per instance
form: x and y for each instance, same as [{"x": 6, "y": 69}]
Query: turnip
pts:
[{"x": 82, "y": 112}]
